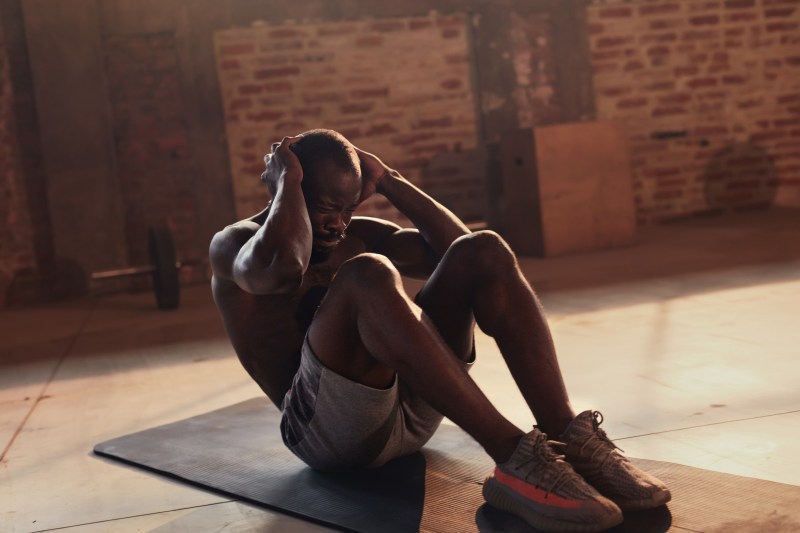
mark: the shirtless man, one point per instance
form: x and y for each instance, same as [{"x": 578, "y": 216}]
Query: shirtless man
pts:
[{"x": 312, "y": 300}]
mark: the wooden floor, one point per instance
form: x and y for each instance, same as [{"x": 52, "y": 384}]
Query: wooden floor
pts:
[{"x": 689, "y": 343}]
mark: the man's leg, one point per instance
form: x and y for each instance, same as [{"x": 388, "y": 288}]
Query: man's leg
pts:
[
  {"x": 507, "y": 309},
  {"x": 479, "y": 276},
  {"x": 367, "y": 328}
]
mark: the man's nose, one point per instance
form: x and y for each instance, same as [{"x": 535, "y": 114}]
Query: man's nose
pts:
[{"x": 336, "y": 223}]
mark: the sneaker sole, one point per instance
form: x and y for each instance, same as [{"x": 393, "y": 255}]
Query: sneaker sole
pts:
[
  {"x": 657, "y": 500},
  {"x": 501, "y": 497}
]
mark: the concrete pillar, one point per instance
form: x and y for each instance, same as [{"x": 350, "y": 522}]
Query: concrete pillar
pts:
[{"x": 64, "y": 40}]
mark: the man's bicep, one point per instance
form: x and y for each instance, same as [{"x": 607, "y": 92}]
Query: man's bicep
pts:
[
  {"x": 226, "y": 245},
  {"x": 410, "y": 253},
  {"x": 406, "y": 248}
]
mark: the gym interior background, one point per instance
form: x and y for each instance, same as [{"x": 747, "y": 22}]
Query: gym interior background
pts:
[
  {"x": 117, "y": 115},
  {"x": 121, "y": 115}
]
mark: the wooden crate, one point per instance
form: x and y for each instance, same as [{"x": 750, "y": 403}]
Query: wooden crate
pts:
[{"x": 566, "y": 189}]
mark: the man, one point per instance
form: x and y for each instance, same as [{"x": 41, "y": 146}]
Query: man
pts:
[{"x": 312, "y": 300}]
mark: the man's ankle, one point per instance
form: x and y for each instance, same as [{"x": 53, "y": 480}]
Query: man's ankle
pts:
[{"x": 504, "y": 449}]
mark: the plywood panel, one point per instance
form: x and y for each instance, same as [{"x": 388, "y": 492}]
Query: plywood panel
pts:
[{"x": 567, "y": 189}]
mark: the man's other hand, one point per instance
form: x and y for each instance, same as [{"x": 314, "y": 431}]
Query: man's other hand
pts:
[
  {"x": 282, "y": 164},
  {"x": 373, "y": 170}
]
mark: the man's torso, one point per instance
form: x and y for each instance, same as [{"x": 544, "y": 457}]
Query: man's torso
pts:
[{"x": 267, "y": 331}]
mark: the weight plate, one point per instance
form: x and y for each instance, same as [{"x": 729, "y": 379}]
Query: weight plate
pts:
[{"x": 165, "y": 275}]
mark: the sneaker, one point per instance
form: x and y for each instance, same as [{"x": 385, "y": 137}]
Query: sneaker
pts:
[
  {"x": 592, "y": 454},
  {"x": 538, "y": 486}
]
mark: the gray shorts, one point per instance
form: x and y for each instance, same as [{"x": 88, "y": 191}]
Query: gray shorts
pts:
[{"x": 332, "y": 423}]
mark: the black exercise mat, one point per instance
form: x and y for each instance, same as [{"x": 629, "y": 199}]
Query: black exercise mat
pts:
[{"x": 237, "y": 451}]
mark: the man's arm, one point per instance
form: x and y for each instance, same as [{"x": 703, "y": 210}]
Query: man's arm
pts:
[
  {"x": 271, "y": 258},
  {"x": 438, "y": 226}
]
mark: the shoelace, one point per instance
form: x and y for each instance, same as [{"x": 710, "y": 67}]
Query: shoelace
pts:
[
  {"x": 543, "y": 448},
  {"x": 598, "y": 442}
]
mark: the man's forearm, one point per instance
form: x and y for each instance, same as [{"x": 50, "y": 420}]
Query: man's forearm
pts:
[
  {"x": 437, "y": 224},
  {"x": 282, "y": 246}
]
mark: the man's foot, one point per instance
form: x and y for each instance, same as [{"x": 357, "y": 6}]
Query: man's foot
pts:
[
  {"x": 589, "y": 450},
  {"x": 541, "y": 488}
]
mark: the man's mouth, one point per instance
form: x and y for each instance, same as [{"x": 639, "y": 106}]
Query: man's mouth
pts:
[{"x": 328, "y": 242}]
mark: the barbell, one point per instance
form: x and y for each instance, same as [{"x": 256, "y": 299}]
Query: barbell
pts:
[{"x": 163, "y": 267}]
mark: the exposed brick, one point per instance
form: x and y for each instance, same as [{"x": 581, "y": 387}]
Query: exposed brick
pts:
[
  {"x": 698, "y": 83},
  {"x": 278, "y": 86},
  {"x": 372, "y": 92},
  {"x": 659, "y": 8},
  {"x": 265, "y": 116},
  {"x": 332, "y": 89},
  {"x": 250, "y": 89},
  {"x": 627, "y": 103},
  {"x": 782, "y": 26},
  {"x": 369, "y": 41},
  {"x": 668, "y": 111},
  {"x": 451, "y": 84},
  {"x": 735, "y": 79},
  {"x": 705, "y": 20},
  {"x": 287, "y": 33},
  {"x": 633, "y": 65},
  {"x": 739, "y": 4},
  {"x": 240, "y": 103},
  {"x": 608, "y": 42},
  {"x": 741, "y": 17},
  {"x": 333, "y": 30},
  {"x": 356, "y": 107},
  {"x": 594, "y": 29},
  {"x": 675, "y": 98},
  {"x": 381, "y": 129},
  {"x": 388, "y": 25},
  {"x": 280, "y": 72},
  {"x": 229, "y": 64},
  {"x": 418, "y": 24},
  {"x": 237, "y": 49},
  {"x": 323, "y": 97},
  {"x": 779, "y": 12},
  {"x": 616, "y": 12},
  {"x": 686, "y": 71}
]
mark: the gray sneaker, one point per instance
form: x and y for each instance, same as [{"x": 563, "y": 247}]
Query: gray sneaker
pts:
[
  {"x": 589, "y": 450},
  {"x": 538, "y": 486}
]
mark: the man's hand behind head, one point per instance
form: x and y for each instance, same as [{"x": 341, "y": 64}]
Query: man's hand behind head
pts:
[
  {"x": 372, "y": 172},
  {"x": 282, "y": 164}
]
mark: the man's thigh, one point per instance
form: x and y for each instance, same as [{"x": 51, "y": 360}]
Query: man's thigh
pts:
[
  {"x": 446, "y": 298},
  {"x": 331, "y": 422},
  {"x": 334, "y": 334}
]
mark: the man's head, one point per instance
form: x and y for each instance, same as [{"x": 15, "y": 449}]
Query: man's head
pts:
[{"x": 331, "y": 186}]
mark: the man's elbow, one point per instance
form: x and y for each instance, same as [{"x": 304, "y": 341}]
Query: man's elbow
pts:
[{"x": 285, "y": 278}]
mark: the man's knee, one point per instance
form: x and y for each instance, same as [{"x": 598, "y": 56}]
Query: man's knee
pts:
[
  {"x": 368, "y": 271},
  {"x": 484, "y": 250}
]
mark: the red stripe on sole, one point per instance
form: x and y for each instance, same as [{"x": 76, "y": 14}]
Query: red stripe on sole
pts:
[{"x": 529, "y": 491}]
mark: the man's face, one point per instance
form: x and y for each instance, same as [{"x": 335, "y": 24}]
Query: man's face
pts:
[{"x": 331, "y": 198}]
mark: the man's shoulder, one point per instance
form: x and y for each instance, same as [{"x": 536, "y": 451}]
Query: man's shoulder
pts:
[
  {"x": 225, "y": 245},
  {"x": 371, "y": 224}
]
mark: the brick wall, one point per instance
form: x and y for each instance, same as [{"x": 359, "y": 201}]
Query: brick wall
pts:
[
  {"x": 710, "y": 92},
  {"x": 151, "y": 143},
  {"x": 397, "y": 87},
  {"x": 17, "y": 254}
]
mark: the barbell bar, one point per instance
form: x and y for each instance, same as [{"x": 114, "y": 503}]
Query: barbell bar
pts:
[{"x": 163, "y": 267}]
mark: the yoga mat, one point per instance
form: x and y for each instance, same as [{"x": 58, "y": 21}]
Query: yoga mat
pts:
[{"x": 237, "y": 451}]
